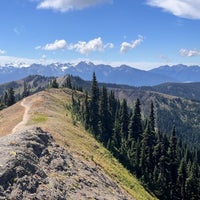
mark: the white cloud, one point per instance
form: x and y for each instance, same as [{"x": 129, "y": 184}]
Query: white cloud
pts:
[
  {"x": 125, "y": 46},
  {"x": 38, "y": 47},
  {"x": 182, "y": 8},
  {"x": 189, "y": 53},
  {"x": 15, "y": 61},
  {"x": 58, "y": 44},
  {"x": 90, "y": 46},
  {"x": 2, "y": 52},
  {"x": 66, "y": 5}
]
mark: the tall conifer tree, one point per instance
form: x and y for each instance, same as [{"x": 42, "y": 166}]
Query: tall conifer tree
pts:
[{"x": 94, "y": 107}]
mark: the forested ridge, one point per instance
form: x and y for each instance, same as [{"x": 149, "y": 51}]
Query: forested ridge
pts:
[{"x": 166, "y": 166}]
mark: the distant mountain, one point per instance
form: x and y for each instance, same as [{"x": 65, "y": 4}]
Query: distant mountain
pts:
[
  {"x": 12, "y": 72},
  {"x": 105, "y": 73},
  {"x": 180, "y": 73},
  {"x": 120, "y": 75}
]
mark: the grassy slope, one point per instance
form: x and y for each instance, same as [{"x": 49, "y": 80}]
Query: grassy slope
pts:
[{"x": 50, "y": 113}]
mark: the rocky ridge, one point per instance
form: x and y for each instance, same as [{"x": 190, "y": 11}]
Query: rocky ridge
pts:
[{"x": 34, "y": 166}]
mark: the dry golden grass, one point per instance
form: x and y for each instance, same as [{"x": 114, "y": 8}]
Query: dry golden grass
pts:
[
  {"x": 48, "y": 111},
  {"x": 9, "y": 118}
]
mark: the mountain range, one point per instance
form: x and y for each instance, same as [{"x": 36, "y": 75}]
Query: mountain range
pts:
[{"x": 105, "y": 73}]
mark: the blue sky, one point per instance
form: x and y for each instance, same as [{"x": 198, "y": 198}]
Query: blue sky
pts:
[{"x": 141, "y": 33}]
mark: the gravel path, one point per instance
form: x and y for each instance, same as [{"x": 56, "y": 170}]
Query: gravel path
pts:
[{"x": 22, "y": 124}]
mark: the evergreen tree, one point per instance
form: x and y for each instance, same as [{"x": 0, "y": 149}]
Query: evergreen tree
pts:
[
  {"x": 116, "y": 139},
  {"x": 182, "y": 175},
  {"x": 152, "y": 117},
  {"x": 104, "y": 125},
  {"x": 94, "y": 121},
  {"x": 54, "y": 84},
  {"x": 5, "y": 98},
  {"x": 25, "y": 92},
  {"x": 136, "y": 159},
  {"x": 146, "y": 160},
  {"x": 11, "y": 97},
  {"x": 124, "y": 120},
  {"x": 135, "y": 126},
  {"x": 112, "y": 104},
  {"x": 162, "y": 182},
  {"x": 193, "y": 182},
  {"x": 68, "y": 82},
  {"x": 173, "y": 164},
  {"x": 112, "y": 107}
]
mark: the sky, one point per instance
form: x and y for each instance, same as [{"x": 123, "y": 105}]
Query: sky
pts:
[{"x": 140, "y": 33}]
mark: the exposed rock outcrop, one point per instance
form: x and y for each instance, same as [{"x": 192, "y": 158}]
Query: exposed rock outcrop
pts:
[{"x": 33, "y": 166}]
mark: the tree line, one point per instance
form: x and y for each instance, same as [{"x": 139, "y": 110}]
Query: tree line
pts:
[
  {"x": 166, "y": 166},
  {"x": 9, "y": 98}
]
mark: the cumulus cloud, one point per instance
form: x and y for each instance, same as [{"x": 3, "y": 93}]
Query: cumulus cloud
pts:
[
  {"x": 90, "y": 46},
  {"x": 125, "y": 46},
  {"x": 189, "y": 53},
  {"x": 2, "y": 52},
  {"x": 58, "y": 44},
  {"x": 66, "y": 5},
  {"x": 182, "y": 8}
]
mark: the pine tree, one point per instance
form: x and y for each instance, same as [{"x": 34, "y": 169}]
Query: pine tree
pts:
[
  {"x": 135, "y": 126},
  {"x": 5, "y": 98},
  {"x": 11, "y": 97},
  {"x": 162, "y": 182},
  {"x": 182, "y": 175},
  {"x": 104, "y": 117},
  {"x": 193, "y": 182},
  {"x": 147, "y": 161},
  {"x": 94, "y": 121},
  {"x": 152, "y": 117},
  {"x": 124, "y": 120},
  {"x": 112, "y": 107},
  {"x": 54, "y": 84},
  {"x": 116, "y": 139},
  {"x": 173, "y": 164},
  {"x": 68, "y": 82},
  {"x": 25, "y": 92}
]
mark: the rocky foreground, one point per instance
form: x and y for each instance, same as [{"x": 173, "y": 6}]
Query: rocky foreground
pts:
[{"x": 33, "y": 166}]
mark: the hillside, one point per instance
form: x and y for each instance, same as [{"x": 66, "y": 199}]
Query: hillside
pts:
[
  {"x": 84, "y": 156},
  {"x": 170, "y": 110},
  {"x": 34, "y": 83},
  {"x": 186, "y": 90}
]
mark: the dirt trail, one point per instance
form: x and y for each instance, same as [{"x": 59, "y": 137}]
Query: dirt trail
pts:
[{"x": 22, "y": 124}]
